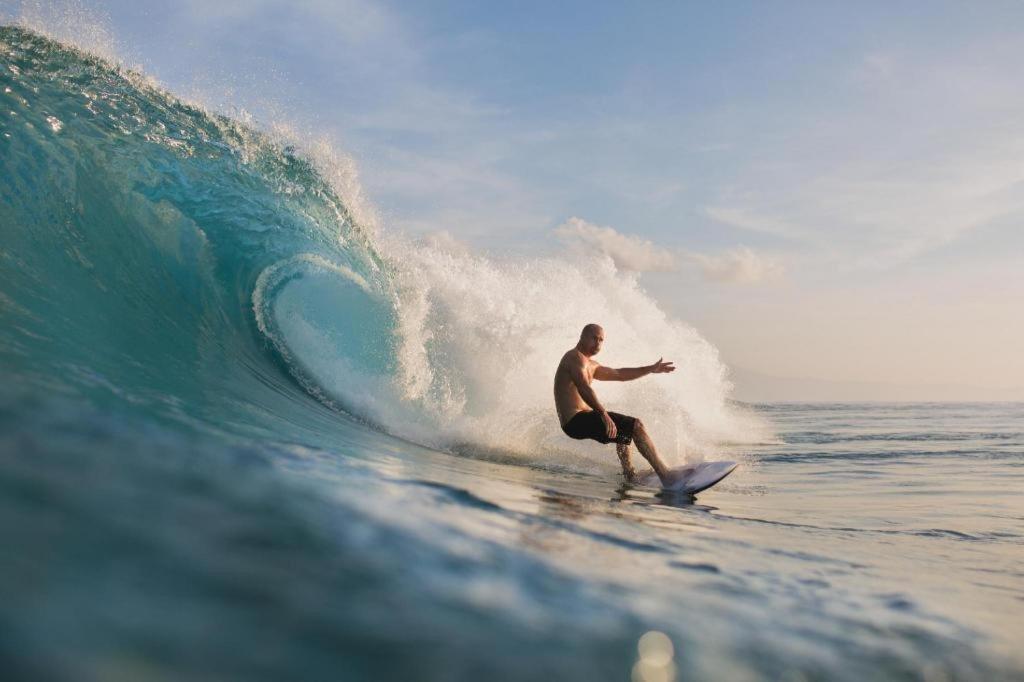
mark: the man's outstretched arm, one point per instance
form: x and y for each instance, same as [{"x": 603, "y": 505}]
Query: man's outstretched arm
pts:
[{"x": 629, "y": 373}]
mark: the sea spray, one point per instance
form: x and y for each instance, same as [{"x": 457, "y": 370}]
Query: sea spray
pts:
[{"x": 481, "y": 338}]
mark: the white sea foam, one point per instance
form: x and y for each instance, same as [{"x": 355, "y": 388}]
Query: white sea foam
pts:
[{"x": 480, "y": 339}]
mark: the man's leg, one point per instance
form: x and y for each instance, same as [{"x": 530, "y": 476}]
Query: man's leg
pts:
[
  {"x": 622, "y": 449},
  {"x": 646, "y": 447}
]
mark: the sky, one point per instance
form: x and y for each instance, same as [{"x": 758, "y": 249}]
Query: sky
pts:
[{"x": 832, "y": 193}]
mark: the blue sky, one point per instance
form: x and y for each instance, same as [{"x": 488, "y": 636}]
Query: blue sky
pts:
[{"x": 840, "y": 186}]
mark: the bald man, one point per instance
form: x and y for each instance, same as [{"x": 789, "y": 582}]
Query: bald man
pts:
[{"x": 581, "y": 414}]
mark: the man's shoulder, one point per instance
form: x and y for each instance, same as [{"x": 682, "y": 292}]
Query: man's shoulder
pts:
[{"x": 572, "y": 358}]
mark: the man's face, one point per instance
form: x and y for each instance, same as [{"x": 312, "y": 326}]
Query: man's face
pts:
[{"x": 592, "y": 341}]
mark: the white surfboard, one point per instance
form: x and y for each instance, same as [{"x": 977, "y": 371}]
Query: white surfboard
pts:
[{"x": 694, "y": 478}]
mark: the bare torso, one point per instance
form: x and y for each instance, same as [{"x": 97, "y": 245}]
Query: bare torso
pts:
[{"x": 567, "y": 397}]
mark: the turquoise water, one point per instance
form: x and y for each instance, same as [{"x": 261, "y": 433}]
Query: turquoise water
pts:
[{"x": 245, "y": 436}]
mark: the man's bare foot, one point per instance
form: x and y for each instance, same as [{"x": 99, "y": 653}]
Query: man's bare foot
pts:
[{"x": 674, "y": 476}]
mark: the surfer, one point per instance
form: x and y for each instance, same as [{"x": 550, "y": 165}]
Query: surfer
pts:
[{"x": 582, "y": 415}]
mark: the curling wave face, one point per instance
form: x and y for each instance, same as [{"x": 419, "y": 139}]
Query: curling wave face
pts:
[{"x": 189, "y": 265}]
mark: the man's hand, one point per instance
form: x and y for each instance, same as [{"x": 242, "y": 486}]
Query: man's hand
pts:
[
  {"x": 609, "y": 426},
  {"x": 662, "y": 367}
]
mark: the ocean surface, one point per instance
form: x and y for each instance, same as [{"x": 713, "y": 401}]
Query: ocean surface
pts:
[{"x": 247, "y": 433}]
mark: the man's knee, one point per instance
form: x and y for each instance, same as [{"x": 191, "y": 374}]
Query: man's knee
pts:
[{"x": 638, "y": 426}]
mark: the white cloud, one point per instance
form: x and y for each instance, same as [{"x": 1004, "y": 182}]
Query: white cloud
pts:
[
  {"x": 735, "y": 266},
  {"x": 627, "y": 251},
  {"x": 883, "y": 210},
  {"x": 739, "y": 266},
  {"x": 929, "y": 155},
  {"x": 749, "y": 220}
]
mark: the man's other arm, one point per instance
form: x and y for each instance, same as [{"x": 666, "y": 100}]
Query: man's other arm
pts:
[
  {"x": 586, "y": 391},
  {"x": 590, "y": 398}
]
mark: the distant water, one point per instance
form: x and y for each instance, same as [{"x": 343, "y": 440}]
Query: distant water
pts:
[{"x": 243, "y": 435}]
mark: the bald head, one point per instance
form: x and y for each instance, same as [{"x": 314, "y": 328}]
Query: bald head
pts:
[{"x": 591, "y": 339}]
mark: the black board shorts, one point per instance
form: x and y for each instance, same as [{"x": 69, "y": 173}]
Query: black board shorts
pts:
[{"x": 588, "y": 424}]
